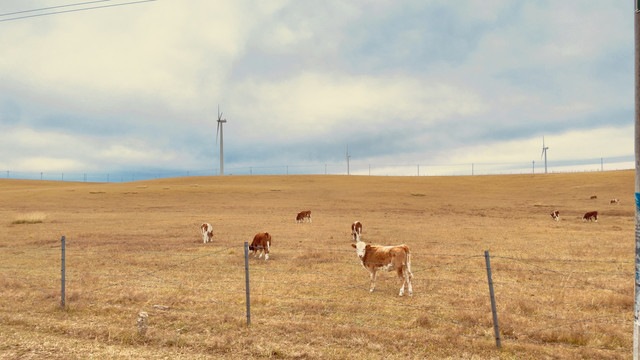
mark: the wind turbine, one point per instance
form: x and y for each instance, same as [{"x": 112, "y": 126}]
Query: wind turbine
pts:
[
  {"x": 219, "y": 130},
  {"x": 544, "y": 152},
  {"x": 348, "y": 157}
]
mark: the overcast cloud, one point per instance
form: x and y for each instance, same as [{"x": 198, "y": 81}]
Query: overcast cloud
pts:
[{"x": 434, "y": 83}]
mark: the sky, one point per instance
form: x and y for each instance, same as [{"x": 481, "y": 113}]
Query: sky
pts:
[{"x": 410, "y": 87}]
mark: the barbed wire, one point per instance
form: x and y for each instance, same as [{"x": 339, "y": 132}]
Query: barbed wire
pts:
[
  {"x": 501, "y": 297},
  {"x": 414, "y": 254},
  {"x": 565, "y": 344},
  {"x": 147, "y": 279}
]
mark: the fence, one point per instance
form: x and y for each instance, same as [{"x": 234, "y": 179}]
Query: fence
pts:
[
  {"x": 574, "y": 303},
  {"x": 355, "y": 168}
]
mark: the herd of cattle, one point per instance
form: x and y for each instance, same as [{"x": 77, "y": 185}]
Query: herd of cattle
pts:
[
  {"x": 372, "y": 257},
  {"x": 589, "y": 215}
]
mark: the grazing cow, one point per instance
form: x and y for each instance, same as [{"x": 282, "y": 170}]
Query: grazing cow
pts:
[
  {"x": 593, "y": 197},
  {"x": 555, "y": 215},
  {"x": 356, "y": 230},
  {"x": 375, "y": 257},
  {"x": 614, "y": 201},
  {"x": 591, "y": 215},
  {"x": 262, "y": 241},
  {"x": 303, "y": 215},
  {"x": 207, "y": 232}
]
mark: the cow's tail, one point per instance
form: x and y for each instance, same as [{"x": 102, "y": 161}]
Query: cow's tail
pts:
[{"x": 406, "y": 249}]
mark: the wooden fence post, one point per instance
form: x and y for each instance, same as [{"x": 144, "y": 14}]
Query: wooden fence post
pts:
[
  {"x": 62, "y": 296},
  {"x": 246, "y": 276},
  {"x": 496, "y": 329}
]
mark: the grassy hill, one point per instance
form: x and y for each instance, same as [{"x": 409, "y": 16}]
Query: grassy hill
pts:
[{"x": 563, "y": 289}]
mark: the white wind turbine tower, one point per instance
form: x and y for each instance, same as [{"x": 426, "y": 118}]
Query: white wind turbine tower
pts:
[
  {"x": 219, "y": 130},
  {"x": 348, "y": 158},
  {"x": 544, "y": 152}
]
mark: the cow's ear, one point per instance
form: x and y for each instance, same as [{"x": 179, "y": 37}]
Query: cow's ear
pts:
[
  {"x": 354, "y": 246},
  {"x": 368, "y": 247}
]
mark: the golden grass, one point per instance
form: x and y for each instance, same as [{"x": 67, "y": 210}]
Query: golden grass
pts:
[
  {"x": 563, "y": 290},
  {"x": 30, "y": 218}
]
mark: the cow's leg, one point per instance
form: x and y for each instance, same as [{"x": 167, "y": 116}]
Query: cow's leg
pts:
[
  {"x": 407, "y": 279},
  {"x": 403, "y": 275},
  {"x": 372, "y": 275},
  {"x": 266, "y": 256}
]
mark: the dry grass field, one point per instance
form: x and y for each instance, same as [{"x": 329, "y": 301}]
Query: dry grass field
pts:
[{"x": 564, "y": 290}]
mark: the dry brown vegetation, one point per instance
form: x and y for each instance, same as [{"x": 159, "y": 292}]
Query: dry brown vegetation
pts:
[{"x": 563, "y": 290}]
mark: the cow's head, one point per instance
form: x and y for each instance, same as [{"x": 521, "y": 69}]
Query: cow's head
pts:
[{"x": 361, "y": 248}]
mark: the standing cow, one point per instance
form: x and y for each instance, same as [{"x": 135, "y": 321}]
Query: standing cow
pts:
[
  {"x": 356, "y": 230},
  {"x": 555, "y": 215},
  {"x": 207, "y": 232},
  {"x": 302, "y": 215},
  {"x": 262, "y": 241},
  {"x": 375, "y": 257},
  {"x": 591, "y": 215}
]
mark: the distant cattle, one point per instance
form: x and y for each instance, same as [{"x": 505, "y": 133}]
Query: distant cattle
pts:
[
  {"x": 593, "y": 197},
  {"x": 614, "y": 201},
  {"x": 555, "y": 215},
  {"x": 591, "y": 215},
  {"x": 302, "y": 215},
  {"x": 261, "y": 242},
  {"x": 207, "y": 232},
  {"x": 356, "y": 230},
  {"x": 375, "y": 257}
]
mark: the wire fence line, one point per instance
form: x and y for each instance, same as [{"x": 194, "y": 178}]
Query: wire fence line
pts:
[
  {"x": 333, "y": 168},
  {"x": 451, "y": 293}
]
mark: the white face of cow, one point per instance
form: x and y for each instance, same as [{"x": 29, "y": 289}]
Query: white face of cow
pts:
[{"x": 361, "y": 249}]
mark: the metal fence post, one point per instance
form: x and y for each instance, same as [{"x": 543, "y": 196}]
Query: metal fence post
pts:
[
  {"x": 246, "y": 276},
  {"x": 62, "y": 296},
  {"x": 496, "y": 330}
]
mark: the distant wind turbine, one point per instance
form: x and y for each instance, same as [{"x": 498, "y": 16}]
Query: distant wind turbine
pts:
[
  {"x": 348, "y": 157},
  {"x": 219, "y": 131},
  {"x": 544, "y": 152}
]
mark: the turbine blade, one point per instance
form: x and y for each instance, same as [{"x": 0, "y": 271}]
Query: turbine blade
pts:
[{"x": 217, "y": 131}]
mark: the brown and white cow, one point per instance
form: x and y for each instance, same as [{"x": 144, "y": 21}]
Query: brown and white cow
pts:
[
  {"x": 302, "y": 215},
  {"x": 555, "y": 215},
  {"x": 262, "y": 241},
  {"x": 375, "y": 257},
  {"x": 614, "y": 201},
  {"x": 207, "y": 232},
  {"x": 356, "y": 230},
  {"x": 591, "y": 215}
]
